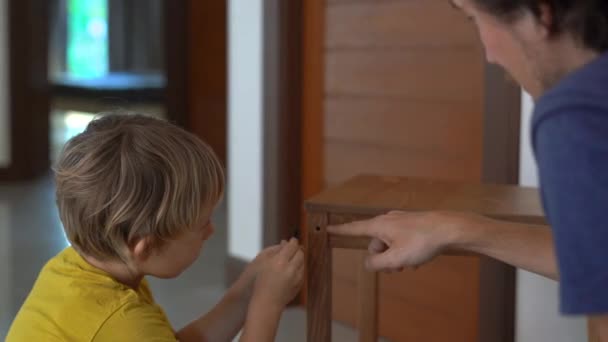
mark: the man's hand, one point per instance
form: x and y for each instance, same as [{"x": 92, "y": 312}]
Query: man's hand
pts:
[{"x": 401, "y": 239}]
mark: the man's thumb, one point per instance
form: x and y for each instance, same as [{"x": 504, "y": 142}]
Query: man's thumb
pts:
[{"x": 382, "y": 261}]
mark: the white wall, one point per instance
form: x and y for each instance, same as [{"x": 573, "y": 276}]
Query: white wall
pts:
[
  {"x": 5, "y": 157},
  {"x": 245, "y": 127},
  {"x": 538, "y": 317}
]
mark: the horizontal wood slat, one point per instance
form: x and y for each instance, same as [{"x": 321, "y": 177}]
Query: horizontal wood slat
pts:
[
  {"x": 404, "y": 24},
  {"x": 451, "y": 76},
  {"x": 343, "y": 161},
  {"x": 404, "y": 124}
]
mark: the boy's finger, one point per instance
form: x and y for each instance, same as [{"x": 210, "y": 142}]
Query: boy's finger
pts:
[
  {"x": 289, "y": 249},
  {"x": 272, "y": 249},
  {"x": 300, "y": 275},
  {"x": 298, "y": 260}
]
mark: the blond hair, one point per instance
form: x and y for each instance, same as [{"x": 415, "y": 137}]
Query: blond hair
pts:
[{"x": 128, "y": 177}]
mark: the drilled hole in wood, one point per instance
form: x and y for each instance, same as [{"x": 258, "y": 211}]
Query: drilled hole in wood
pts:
[{"x": 318, "y": 228}]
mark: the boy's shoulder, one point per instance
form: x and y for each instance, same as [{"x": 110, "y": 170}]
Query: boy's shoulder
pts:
[
  {"x": 137, "y": 322},
  {"x": 75, "y": 301}
]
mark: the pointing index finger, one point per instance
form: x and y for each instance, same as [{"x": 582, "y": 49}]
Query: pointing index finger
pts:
[{"x": 357, "y": 228}]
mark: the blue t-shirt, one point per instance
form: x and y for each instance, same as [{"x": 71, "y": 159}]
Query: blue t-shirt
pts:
[{"x": 570, "y": 139}]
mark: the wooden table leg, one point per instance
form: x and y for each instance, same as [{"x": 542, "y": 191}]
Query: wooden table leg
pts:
[
  {"x": 368, "y": 304},
  {"x": 319, "y": 281}
]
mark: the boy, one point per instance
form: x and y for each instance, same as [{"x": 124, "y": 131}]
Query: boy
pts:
[{"x": 135, "y": 195}]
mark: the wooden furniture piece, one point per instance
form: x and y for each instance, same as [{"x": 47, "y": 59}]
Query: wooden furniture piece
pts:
[
  {"x": 368, "y": 196},
  {"x": 591, "y": 333}
]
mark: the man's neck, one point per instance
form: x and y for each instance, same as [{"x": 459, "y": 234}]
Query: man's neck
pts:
[{"x": 569, "y": 58}]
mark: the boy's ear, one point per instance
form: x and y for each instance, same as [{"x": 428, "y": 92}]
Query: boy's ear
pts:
[{"x": 141, "y": 249}]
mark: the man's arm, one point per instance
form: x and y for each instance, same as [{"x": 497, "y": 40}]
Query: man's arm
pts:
[
  {"x": 401, "y": 239},
  {"x": 528, "y": 247}
]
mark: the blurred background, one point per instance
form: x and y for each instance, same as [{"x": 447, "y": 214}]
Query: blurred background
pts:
[{"x": 294, "y": 96}]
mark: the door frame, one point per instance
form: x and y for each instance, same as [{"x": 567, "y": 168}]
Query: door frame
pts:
[
  {"x": 28, "y": 89},
  {"x": 282, "y": 108},
  {"x": 500, "y": 165}
]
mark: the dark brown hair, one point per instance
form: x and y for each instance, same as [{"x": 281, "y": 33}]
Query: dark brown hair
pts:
[{"x": 585, "y": 20}]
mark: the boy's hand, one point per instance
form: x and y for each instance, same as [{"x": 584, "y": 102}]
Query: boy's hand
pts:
[
  {"x": 247, "y": 278},
  {"x": 281, "y": 275}
]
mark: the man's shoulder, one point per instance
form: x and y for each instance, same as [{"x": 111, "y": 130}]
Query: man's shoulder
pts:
[
  {"x": 584, "y": 91},
  {"x": 577, "y": 106}
]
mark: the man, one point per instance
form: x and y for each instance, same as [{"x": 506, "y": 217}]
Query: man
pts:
[{"x": 556, "y": 50}]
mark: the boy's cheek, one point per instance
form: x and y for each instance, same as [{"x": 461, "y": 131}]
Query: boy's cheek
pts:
[{"x": 209, "y": 231}]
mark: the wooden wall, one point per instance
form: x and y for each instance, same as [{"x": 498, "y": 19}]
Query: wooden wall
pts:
[
  {"x": 403, "y": 90},
  {"x": 402, "y": 94}
]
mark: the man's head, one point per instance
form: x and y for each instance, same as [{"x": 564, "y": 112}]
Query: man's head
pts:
[
  {"x": 129, "y": 186},
  {"x": 540, "y": 41}
]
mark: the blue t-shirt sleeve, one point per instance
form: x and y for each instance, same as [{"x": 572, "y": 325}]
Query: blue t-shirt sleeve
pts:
[{"x": 572, "y": 152}]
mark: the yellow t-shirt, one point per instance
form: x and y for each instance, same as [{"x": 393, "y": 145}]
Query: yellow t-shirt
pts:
[{"x": 74, "y": 301}]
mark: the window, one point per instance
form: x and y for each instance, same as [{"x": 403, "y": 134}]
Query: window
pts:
[
  {"x": 103, "y": 55},
  {"x": 87, "y": 39}
]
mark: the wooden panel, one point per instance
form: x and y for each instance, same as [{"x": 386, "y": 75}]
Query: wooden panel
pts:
[
  {"x": 592, "y": 334},
  {"x": 347, "y": 160},
  {"x": 319, "y": 290},
  {"x": 344, "y": 287},
  {"x": 367, "y": 316},
  {"x": 439, "y": 76},
  {"x": 400, "y": 24},
  {"x": 402, "y": 320},
  {"x": 502, "y": 123},
  {"x": 429, "y": 286},
  {"x": 312, "y": 97},
  {"x": 207, "y": 72},
  {"x": 413, "y": 303},
  {"x": 406, "y": 124}
]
